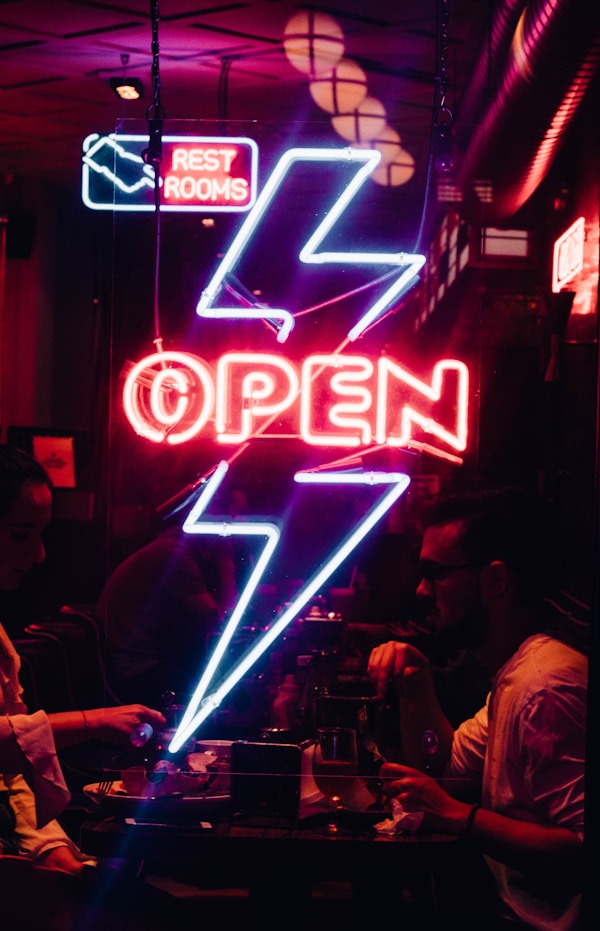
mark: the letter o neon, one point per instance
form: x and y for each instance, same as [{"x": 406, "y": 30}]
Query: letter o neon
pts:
[{"x": 144, "y": 402}]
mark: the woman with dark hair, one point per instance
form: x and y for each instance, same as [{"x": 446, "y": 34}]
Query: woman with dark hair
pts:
[{"x": 32, "y": 788}]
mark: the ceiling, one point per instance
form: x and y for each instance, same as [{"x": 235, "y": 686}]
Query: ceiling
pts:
[{"x": 217, "y": 60}]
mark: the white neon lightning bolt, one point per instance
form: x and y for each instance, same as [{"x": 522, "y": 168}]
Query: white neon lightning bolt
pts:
[
  {"x": 255, "y": 313},
  {"x": 398, "y": 483},
  {"x": 266, "y": 529},
  {"x": 414, "y": 262},
  {"x": 367, "y": 159}
]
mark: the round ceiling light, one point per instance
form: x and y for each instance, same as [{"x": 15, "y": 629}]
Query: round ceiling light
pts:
[
  {"x": 395, "y": 172},
  {"x": 388, "y": 143},
  {"x": 342, "y": 89},
  {"x": 313, "y": 42},
  {"x": 364, "y": 123}
]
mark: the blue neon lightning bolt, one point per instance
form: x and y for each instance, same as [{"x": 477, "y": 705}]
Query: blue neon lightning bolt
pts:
[
  {"x": 201, "y": 707},
  {"x": 366, "y": 161},
  {"x": 193, "y": 524}
]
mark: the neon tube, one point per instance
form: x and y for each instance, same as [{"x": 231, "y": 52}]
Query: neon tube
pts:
[
  {"x": 399, "y": 483},
  {"x": 194, "y": 525},
  {"x": 207, "y": 305}
]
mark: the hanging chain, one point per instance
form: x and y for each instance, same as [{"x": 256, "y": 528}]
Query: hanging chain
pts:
[
  {"x": 153, "y": 156},
  {"x": 443, "y": 157},
  {"x": 443, "y": 114},
  {"x": 440, "y": 144},
  {"x": 155, "y": 15},
  {"x": 155, "y": 113}
]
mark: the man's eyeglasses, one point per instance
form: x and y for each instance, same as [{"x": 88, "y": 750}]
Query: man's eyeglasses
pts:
[{"x": 436, "y": 572}]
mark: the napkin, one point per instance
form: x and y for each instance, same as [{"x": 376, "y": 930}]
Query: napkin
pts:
[{"x": 401, "y": 822}]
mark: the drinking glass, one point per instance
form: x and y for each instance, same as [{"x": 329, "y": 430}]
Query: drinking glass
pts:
[{"x": 335, "y": 767}]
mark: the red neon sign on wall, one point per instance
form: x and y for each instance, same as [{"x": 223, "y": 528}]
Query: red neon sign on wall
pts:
[
  {"x": 329, "y": 399},
  {"x": 567, "y": 258},
  {"x": 215, "y": 174}
]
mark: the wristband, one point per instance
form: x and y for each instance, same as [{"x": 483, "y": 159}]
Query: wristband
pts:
[{"x": 468, "y": 826}]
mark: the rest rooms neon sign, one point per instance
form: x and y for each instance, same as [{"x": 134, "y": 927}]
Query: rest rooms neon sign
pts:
[{"x": 199, "y": 174}]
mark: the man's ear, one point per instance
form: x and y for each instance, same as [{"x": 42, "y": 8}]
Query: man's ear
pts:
[{"x": 498, "y": 578}]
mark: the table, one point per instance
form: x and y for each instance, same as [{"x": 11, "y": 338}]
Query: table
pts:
[{"x": 278, "y": 862}]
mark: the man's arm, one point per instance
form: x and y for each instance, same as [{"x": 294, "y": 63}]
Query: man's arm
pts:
[
  {"x": 551, "y": 851},
  {"x": 426, "y": 733}
]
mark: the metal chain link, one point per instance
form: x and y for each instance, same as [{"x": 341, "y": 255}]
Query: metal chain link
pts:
[
  {"x": 155, "y": 17},
  {"x": 153, "y": 156},
  {"x": 155, "y": 113},
  {"x": 442, "y": 70},
  {"x": 443, "y": 157},
  {"x": 443, "y": 52}
]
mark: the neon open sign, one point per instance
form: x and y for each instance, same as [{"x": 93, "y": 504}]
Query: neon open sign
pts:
[
  {"x": 198, "y": 174},
  {"x": 328, "y": 399}
]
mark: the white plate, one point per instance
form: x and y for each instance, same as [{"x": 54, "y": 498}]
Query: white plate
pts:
[{"x": 170, "y": 807}]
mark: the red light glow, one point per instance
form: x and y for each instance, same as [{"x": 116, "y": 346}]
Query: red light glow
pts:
[{"x": 329, "y": 399}]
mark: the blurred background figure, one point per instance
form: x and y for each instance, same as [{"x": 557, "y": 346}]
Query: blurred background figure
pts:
[{"x": 162, "y": 605}]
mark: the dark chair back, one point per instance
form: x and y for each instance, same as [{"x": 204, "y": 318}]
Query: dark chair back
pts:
[
  {"x": 78, "y": 634},
  {"x": 45, "y": 674}
]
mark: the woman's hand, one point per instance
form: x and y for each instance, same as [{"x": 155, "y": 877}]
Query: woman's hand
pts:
[
  {"x": 418, "y": 792},
  {"x": 10, "y": 688},
  {"x": 115, "y": 725},
  {"x": 62, "y": 859}
]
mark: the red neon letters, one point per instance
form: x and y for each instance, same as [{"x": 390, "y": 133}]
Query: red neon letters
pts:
[
  {"x": 201, "y": 173},
  {"x": 327, "y": 400}
]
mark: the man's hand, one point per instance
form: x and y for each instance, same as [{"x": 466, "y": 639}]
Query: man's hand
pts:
[
  {"x": 553, "y": 852},
  {"x": 401, "y": 665},
  {"x": 418, "y": 792},
  {"x": 404, "y": 670}
]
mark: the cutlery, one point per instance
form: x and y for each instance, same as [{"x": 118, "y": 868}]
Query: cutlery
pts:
[{"x": 367, "y": 739}]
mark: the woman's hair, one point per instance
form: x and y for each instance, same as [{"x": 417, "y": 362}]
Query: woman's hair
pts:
[{"x": 17, "y": 468}]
